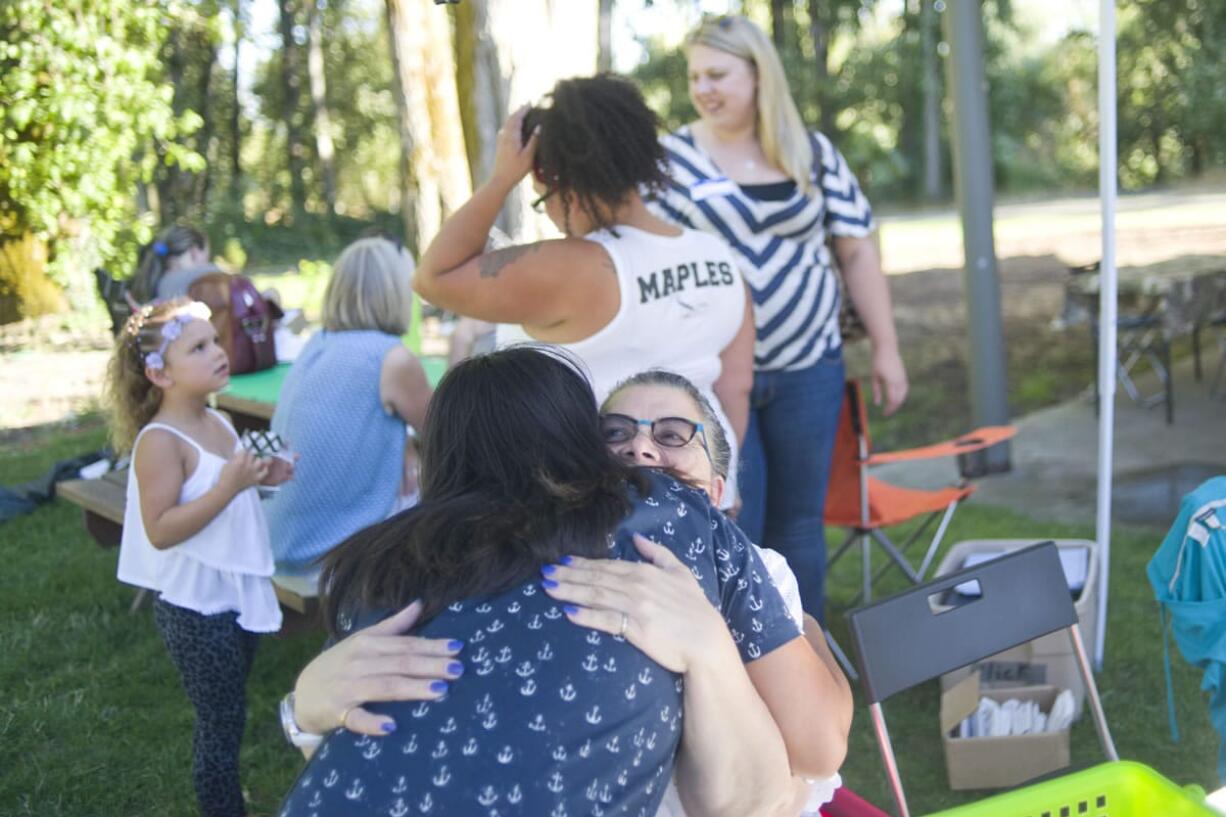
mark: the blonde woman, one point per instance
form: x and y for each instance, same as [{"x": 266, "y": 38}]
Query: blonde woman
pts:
[
  {"x": 783, "y": 198},
  {"x": 343, "y": 408}
]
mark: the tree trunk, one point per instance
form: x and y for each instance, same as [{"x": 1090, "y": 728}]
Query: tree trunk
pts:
[
  {"x": 778, "y": 23},
  {"x": 319, "y": 104},
  {"x": 503, "y": 67},
  {"x": 604, "y": 37},
  {"x": 931, "y": 101},
  {"x": 435, "y": 178},
  {"x": 819, "y": 30},
  {"x": 442, "y": 98},
  {"x": 169, "y": 182},
  {"x": 204, "y": 136},
  {"x": 236, "y": 137},
  {"x": 291, "y": 83}
]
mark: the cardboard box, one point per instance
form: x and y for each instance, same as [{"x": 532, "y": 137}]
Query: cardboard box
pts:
[
  {"x": 995, "y": 763},
  {"x": 1048, "y": 660}
]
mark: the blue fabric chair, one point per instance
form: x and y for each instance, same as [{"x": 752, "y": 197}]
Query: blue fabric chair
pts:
[{"x": 1188, "y": 575}]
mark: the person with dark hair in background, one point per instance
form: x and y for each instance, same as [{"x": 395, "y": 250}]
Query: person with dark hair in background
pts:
[
  {"x": 545, "y": 717},
  {"x": 171, "y": 263},
  {"x": 624, "y": 290}
]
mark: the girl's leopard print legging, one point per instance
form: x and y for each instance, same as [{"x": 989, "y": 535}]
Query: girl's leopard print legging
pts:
[{"x": 213, "y": 655}]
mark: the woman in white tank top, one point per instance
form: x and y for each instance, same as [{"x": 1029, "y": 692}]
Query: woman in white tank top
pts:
[{"x": 624, "y": 291}]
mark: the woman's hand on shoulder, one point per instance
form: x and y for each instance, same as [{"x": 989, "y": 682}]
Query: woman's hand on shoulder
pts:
[
  {"x": 377, "y": 664},
  {"x": 665, "y": 612}
]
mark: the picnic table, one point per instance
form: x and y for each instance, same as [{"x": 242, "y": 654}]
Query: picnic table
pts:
[{"x": 251, "y": 398}]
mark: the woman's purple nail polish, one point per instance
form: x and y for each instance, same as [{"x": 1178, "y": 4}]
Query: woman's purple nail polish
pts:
[
  {"x": 570, "y": 609},
  {"x": 455, "y": 668},
  {"x": 388, "y": 726},
  {"x": 566, "y": 559},
  {"x": 438, "y": 686},
  {"x": 455, "y": 645},
  {"x": 548, "y": 570},
  {"x": 549, "y": 584}
]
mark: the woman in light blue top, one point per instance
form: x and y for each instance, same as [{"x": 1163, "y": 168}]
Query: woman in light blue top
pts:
[{"x": 343, "y": 408}]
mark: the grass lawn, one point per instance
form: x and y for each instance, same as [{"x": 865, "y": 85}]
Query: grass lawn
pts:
[{"x": 93, "y": 721}]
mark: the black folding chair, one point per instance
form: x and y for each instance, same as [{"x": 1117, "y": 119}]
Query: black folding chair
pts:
[
  {"x": 905, "y": 640},
  {"x": 117, "y": 298}
]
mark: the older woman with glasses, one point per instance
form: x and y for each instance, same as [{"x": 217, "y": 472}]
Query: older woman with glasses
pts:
[
  {"x": 782, "y": 197},
  {"x": 624, "y": 290}
]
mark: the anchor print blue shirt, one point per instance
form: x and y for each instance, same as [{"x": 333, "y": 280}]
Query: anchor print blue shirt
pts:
[{"x": 549, "y": 718}]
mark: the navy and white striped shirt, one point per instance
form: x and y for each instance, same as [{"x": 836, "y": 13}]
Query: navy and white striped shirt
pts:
[{"x": 780, "y": 246}]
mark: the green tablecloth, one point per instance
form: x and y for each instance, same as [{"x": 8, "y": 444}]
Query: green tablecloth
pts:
[{"x": 265, "y": 386}]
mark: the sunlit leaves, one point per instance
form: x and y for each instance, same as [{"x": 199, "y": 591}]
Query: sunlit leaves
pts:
[{"x": 80, "y": 110}]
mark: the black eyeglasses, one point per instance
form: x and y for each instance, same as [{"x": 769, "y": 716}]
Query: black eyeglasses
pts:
[
  {"x": 670, "y": 432},
  {"x": 538, "y": 204}
]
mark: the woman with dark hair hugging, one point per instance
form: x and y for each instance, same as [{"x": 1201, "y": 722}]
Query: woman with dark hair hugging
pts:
[{"x": 550, "y": 718}]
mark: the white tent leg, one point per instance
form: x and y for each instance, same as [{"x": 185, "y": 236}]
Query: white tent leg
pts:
[{"x": 1107, "y": 305}]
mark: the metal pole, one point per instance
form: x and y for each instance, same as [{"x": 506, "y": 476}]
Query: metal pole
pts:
[
  {"x": 972, "y": 150},
  {"x": 1107, "y": 308}
]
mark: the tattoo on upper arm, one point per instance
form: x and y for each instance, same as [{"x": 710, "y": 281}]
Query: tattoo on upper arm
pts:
[
  {"x": 606, "y": 262},
  {"x": 492, "y": 263}
]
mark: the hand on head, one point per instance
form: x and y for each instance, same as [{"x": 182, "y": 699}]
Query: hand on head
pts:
[{"x": 513, "y": 157}]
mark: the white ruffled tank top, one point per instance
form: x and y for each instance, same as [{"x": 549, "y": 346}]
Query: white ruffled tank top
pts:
[{"x": 226, "y": 566}]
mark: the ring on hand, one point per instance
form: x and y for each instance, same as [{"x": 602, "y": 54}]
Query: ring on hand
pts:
[
  {"x": 625, "y": 623},
  {"x": 345, "y": 715}
]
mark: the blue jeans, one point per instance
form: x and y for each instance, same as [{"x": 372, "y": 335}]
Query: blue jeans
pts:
[{"x": 785, "y": 467}]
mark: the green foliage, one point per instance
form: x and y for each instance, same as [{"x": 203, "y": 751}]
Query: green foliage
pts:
[
  {"x": 357, "y": 66},
  {"x": 79, "y": 114},
  {"x": 1172, "y": 89}
]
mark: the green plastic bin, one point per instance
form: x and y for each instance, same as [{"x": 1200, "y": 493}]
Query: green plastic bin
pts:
[{"x": 1119, "y": 789}]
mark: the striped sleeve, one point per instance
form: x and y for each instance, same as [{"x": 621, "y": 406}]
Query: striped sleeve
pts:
[
  {"x": 671, "y": 201},
  {"x": 848, "y": 212}
]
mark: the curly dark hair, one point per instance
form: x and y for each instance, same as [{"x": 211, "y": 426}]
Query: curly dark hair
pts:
[{"x": 597, "y": 145}]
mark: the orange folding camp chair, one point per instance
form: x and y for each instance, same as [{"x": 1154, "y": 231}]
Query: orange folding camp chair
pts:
[{"x": 865, "y": 505}]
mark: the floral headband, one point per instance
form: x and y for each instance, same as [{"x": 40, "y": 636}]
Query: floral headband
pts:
[{"x": 173, "y": 328}]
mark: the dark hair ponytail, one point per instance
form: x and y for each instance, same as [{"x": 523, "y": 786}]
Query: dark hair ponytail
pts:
[
  {"x": 515, "y": 474},
  {"x": 154, "y": 256}
]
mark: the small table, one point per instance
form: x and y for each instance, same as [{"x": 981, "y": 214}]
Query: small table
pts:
[
  {"x": 1157, "y": 302},
  {"x": 251, "y": 398},
  {"x": 1184, "y": 294}
]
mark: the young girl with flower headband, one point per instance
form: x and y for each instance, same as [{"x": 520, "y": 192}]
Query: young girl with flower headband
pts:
[{"x": 193, "y": 528}]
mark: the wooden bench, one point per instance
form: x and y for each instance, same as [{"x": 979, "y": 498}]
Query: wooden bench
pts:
[{"x": 102, "y": 502}]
